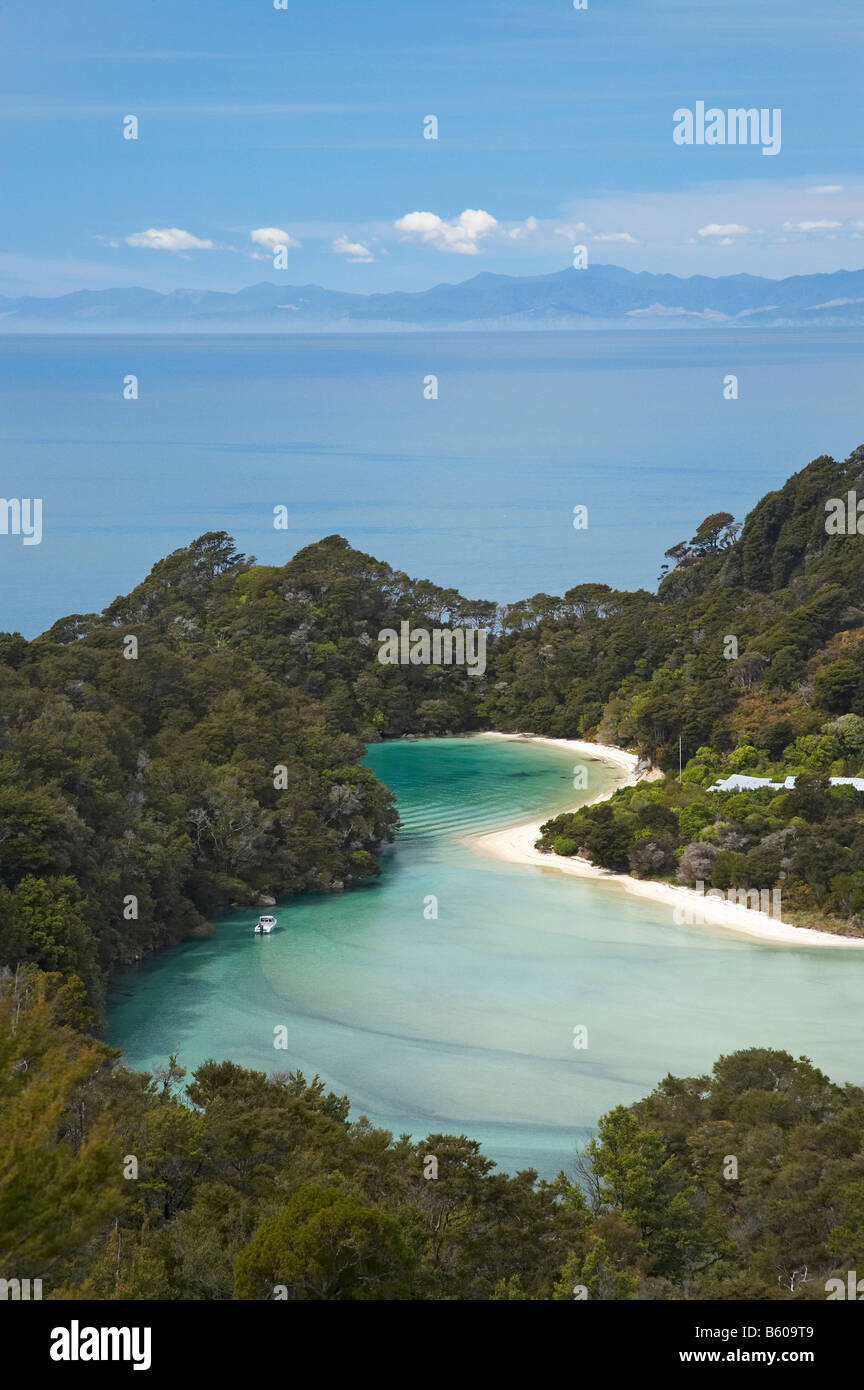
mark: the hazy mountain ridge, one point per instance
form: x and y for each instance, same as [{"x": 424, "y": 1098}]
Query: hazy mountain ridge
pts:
[{"x": 599, "y": 296}]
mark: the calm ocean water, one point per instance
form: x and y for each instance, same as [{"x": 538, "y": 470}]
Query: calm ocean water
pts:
[
  {"x": 464, "y": 1024},
  {"x": 475, "y": 490}
]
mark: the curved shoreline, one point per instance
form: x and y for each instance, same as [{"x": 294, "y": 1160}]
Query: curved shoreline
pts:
[{"x": 515, "y": 844}]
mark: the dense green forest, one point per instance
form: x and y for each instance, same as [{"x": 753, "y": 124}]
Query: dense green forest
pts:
[
  {"x": 198, "y": 744},
  {"x": 235, "y": 1185}
]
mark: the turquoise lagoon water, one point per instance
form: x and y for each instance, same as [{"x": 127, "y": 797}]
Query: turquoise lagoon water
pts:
[{"x": 465, "y": 1023}]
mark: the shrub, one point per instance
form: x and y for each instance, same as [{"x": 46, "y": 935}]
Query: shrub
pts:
[
  {"x": 729, "y": 870},
  {"x": 652, "y": 858},
  {"x": 696, "y": 863}
]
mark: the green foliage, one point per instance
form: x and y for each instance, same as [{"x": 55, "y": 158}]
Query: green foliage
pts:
[
  {"x": 60, "y": 1158},
  {"x": 258, "y": 1188},
  {"x": 641, "y": 670},
  {"x": 51, "y": 918},
  {"x": 729, "y": 870},
  {"x": 218, "y": 767},
  {"x": 806, "y": 841},
  {"x": 325, "y": 1245}
]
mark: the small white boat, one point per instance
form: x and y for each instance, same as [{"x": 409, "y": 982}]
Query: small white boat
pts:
[{"x": 264, "y": 926}]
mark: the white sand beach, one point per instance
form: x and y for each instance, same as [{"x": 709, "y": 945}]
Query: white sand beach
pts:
[{"x": 516, "y": 844}]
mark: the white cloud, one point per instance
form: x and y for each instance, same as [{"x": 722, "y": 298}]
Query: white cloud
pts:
[
  {"x": 518, "y": 232},
  {"x": 820, "y": 188},
  {"x": 665, "y": 226},
  {"x": 835, "y": 303},
  {"x": 168, "y": 239},
  {"x": 356, "y": 252},
  {"x": 664, "y": 311},
  {"x": 574, "y": 229},
  {"x": 760, "y": 309},
  {"x": 727, "y": 230},
  {"x": 271, "y": 237},
  {"x": 459, "y": 236},
  {"x": 820, "y": 226}
]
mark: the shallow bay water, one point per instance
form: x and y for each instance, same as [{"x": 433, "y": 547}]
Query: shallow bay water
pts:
[{"x": 465, "y": 1023}]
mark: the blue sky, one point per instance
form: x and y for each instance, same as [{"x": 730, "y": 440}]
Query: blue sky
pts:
[{"x": 555, "y": 126}]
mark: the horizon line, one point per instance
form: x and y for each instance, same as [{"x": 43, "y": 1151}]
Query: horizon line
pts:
[{"x": 450, "y": 284}]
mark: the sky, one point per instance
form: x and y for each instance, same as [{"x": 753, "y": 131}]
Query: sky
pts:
[{"x": 303, "y": 127}]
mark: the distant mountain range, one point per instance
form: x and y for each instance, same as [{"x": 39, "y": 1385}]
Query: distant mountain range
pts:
[{"x": 600, "y": 296}]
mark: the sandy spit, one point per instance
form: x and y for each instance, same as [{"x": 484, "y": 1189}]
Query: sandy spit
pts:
[{"x": 516, "y": 845}]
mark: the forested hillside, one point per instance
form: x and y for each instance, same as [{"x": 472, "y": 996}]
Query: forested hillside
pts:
[
  {"x": 197, "y": 745},
  {"x": 252, "y": 1187},
  {"x": 643, "y": 668}
]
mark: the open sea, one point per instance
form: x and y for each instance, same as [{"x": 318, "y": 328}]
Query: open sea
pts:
[{"x": 474, "y": 490}]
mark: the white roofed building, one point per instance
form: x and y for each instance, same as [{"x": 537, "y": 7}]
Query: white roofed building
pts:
[{"x": 740, "y": 782}]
